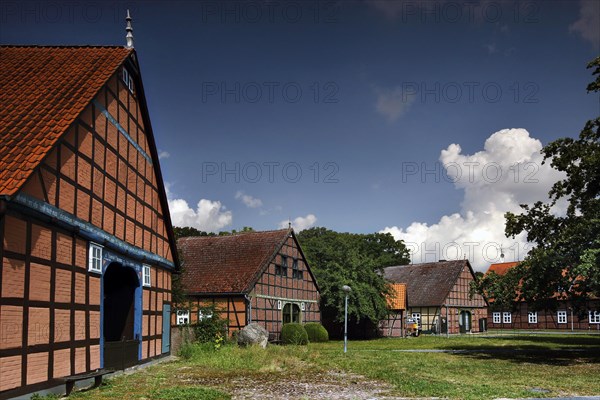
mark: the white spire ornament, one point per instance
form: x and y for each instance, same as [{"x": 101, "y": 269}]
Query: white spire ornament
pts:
[{"x": 129, "y": 31}]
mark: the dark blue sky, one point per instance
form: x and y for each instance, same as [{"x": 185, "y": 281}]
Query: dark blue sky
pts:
[{"x": 356, "y": 90}]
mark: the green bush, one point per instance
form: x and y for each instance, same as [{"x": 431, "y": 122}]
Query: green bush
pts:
[
  {"x": 316, "y": 332},
  {"x": 186, "y": 351},
  {"x": 212, "y": 327},
  {"x": 293, "y": 333}
]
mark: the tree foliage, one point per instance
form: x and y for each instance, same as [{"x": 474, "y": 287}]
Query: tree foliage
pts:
[
  {"x": 565, "y": 258},
  {"x": 357, "y": 260},
  {"x": 188, "y": 231}
]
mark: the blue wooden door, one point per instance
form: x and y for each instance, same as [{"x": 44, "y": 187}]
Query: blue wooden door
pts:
[{"x": 166, "y": 331}]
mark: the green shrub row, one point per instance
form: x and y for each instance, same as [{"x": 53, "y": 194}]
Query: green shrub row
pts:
[{"x": 294, "y": 333}]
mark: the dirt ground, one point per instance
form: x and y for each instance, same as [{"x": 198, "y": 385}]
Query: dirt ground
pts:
[{"x": 317, "y": 386}]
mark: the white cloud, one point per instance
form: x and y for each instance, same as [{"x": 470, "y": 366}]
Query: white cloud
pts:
[
  {"x": 249, "y": 201},
  {"x": 508, "y": 172},
  {"x": 209, "y": 216},
  {"x": 163, "y": 154},
  {"x": 491, "y": 48},
  {"x": 300, "y": 223},
  {"x": 393, "y": 103},
  {"x": 588, "y": 24}
]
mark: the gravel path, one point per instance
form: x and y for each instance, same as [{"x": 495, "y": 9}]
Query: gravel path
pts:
[
  {"x": 330, "y": 385},
  {"x": 317, "y": 386}
]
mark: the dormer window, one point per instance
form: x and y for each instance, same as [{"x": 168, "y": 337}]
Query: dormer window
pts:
[{"x": 127, "y": 79}]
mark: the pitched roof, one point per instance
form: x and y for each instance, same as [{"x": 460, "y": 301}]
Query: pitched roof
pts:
[
  {"x": 502, "y": 268},
  {"x": 44, "y": 89},
  {"x": 427, "y": 284},
  {"x": 396, "y": 300},
  {"x": 227, "y": 264}
]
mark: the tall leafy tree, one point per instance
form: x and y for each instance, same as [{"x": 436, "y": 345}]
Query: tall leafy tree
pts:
[
  {"x": 357, "y": 260},
  {"x": 566, "y": 255}
]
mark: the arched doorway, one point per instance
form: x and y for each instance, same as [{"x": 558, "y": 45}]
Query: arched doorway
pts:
[
  {"x": 291, "y": 313},
  {"x": 120, "y": 342},
  {"x": 465, "y": 321}
]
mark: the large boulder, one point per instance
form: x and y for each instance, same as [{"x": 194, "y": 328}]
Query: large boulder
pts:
[{"x": 253, "y": 334}]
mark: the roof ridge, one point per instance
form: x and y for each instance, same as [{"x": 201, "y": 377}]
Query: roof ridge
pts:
[{"x": 286, "y": 230}]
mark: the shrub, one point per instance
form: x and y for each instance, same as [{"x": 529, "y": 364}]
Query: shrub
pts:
[
  {"x": 316, "y": 332},
  {"x": 211, "y": 327},
  {"x": 293, "y": 333},
  {"x": 186, "y": 351}
]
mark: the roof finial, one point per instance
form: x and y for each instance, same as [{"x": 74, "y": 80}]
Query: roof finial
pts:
[
  {"x": 289, "y": 224},
  {"x": 129, "y": 30}
]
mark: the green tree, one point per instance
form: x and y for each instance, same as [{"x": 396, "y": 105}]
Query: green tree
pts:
[
  {"x": 188, "y": 231},
  {"x": 565, "y": 258},
  {"x": 357, "y": 260}
]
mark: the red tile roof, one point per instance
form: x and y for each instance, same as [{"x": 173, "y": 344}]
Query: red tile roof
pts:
[
  {"x": 396, "y": 300},
  {"x": 227, "y": 264},
  {"x": 43, "y": 90},
  {"x": 427, "y": 284},
  {"x": 502, "y": 268}
]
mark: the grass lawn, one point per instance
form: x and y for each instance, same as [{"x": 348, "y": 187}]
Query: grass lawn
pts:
[{"x": 506, "y": 366}]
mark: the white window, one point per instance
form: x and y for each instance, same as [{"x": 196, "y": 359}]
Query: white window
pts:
[
  {"x": 127, "y": 79},
  {"x": 204, "y": 314},
  {"x": 417, "y": 317},
  {"x": 506, "y": 318},
  {"x": 95, "y": 258},
  {"x": 146, "y": 275},
  {"x": 562, "y": 317},
  {"x": 496, "y": 317},
  {"x": 532, "y": 317},
  {"x": 183, "y": 317},
  {"x": 594, "y": 317}
]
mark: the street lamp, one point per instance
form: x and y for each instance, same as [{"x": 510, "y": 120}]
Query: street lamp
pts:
[{"x": 347, "y": 289}]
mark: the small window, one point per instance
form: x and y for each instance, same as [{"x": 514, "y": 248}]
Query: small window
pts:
[
  {"x": 296, "y": 272},
  {"x": 146, "y": 275},
  {"x": 204, "y": 314},
  {"x": 282, "y": 268},
  {"x": 532, "y": 317},
  {"x": 562, "y": 317},
  {"x": 507, "y": 318},
  {"x": 95, "y": 258},
  {"x": 127, "y": 79},
  {"x": 417, "y": 317},
  {"x": 594, "y": 317},
  {"x": 496, "y": 317},
  {"x": 183, "y": 317}
]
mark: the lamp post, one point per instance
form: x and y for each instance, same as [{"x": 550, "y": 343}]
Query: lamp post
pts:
[{"x": 347, "y": 289}]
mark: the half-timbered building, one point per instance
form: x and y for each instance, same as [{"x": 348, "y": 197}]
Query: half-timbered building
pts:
[
  {"x": 393, "y": 325},
  {"x": 86, "y": 244},
  {"x": 248, "y": 277},
  {"x": 562, "y": 316},
  {"x": 438, "y": 296}
]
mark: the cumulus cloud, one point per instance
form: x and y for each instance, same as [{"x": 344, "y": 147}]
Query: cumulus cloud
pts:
[
  {"x": 249, "y": 201},
  {"x": 163, "y": 154},
  {"x": 507, "y": 173},
  {"x": 209, "y": 216},
  {"x": 393, "y": 103},
  {"x": 300, "y": 223},
  {"x": 588, "y": 24}
]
